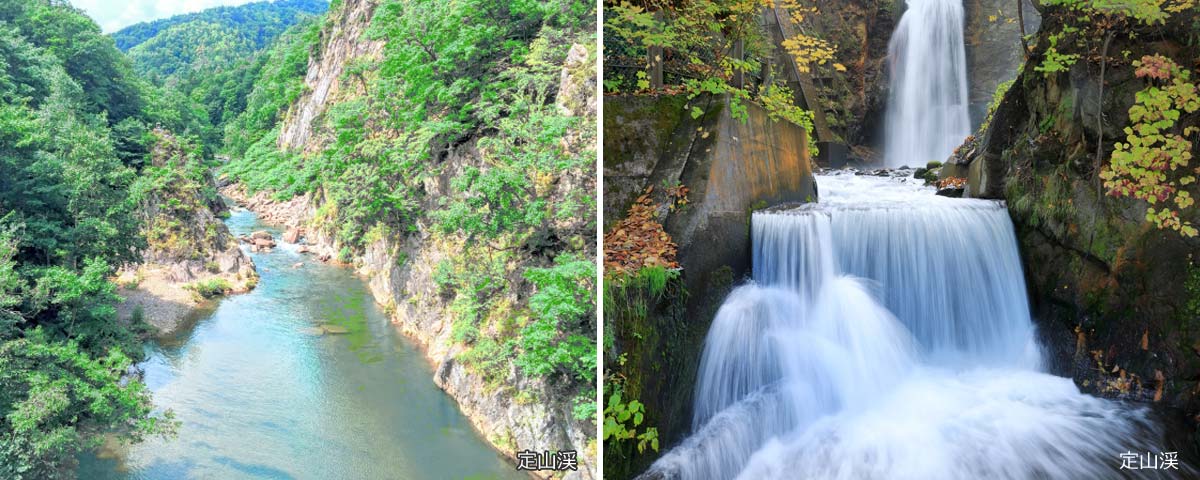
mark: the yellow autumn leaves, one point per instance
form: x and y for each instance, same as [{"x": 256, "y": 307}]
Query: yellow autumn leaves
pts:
[{"x": 807, "y": 50}]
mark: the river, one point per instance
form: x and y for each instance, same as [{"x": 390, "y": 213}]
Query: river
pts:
[{"x": 259, "y": 395}]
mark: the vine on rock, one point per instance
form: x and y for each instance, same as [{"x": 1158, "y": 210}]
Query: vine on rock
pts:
[{"x": 1156, "y": 146}]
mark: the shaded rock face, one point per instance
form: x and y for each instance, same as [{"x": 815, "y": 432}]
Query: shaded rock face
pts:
[
  {"x": 1106, "y": 285},
  {"x": 994, "y": 56},
  {"x": 855, "y": 100},
  {"x": 731, "y": 167}
]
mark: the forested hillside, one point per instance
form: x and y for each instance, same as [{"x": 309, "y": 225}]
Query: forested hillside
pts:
[
  {"x": 208, "y": 60},
  {"x": 74, "y": 137},
  {"x": 447, "y": 149},
  {"x": 257, "y": 23}
]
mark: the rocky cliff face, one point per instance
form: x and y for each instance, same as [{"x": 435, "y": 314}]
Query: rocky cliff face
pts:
[
  {"x": 994, "y": 52},
  {"x": 730, "y": 167},
  {"x": 855, "y": 99},
  {"x": 342, "y": 40},
  {"x": 1117, "y": 299},
  {"x": 191, "y": 253},
  {"x": 518, "y": 412}
]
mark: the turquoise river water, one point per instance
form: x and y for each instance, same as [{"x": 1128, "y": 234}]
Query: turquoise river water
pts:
[{"x": 260, "y": 396}]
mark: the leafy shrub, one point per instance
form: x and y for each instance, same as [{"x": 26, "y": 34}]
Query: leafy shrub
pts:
[
  {"x": 56, "y": 398},
  {"x": 209, "y": 288}
]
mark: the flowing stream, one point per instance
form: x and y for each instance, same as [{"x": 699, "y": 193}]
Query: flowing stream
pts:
[
  {"x": 927, "y": 116},
  {"x": 260, "y": 396},
  {"x": 886, "y": 335}
]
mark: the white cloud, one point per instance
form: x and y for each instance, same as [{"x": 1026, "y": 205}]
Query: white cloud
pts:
[{"x": 113, "y": 15}]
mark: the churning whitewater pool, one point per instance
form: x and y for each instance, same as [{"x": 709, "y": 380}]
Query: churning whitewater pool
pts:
[
  {"x": 260, "y": 396},
  {"x": 886, "y": 334}
]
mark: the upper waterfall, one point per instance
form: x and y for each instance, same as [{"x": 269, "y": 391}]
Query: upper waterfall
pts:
[{"x": 927, "y": 115}]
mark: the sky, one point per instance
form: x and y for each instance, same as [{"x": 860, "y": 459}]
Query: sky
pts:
[{"x": 113, "y": 15}]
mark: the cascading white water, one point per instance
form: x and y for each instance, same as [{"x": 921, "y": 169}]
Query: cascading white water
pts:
[
  {"x": 927, "y": 116},
  {"x": 886, "y": 335}
]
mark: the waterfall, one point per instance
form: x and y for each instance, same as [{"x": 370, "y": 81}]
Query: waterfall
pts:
[
  {"x": 886, "y": 335},
  {"x": 927, "y": 116}
]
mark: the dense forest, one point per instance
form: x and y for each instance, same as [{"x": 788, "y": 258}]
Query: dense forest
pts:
[
  {"x": 208, "y": 61},
  {"x": 75, "y": 121},
  {"x": 257, "y": 23},
  {"x": 85, "y": 118}
]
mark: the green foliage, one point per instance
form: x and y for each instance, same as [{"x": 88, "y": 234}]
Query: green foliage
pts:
[
  {"x": 622, "y": 420},
  {"x": 55, "y": 400},
  {"x": 213, "y": 287},
  {"x": 997, "y": 97},
  {"x": 584, "y": 408},
  {"x": 490, "y": 359},
  {"x": 187, "y": 49},
  {"x": 1155, "y": 147},
  {"x": 1191, "y": 309},
  {"x": 1147, "y": 12},
  {"x": 257, "y": 24},
  {"x": 72, "y": 134},
  {"x": 564, "y": 294},
  {"x": 105, "y": 76},
  {"x": 509, "y": 194},
  {"x": 1055, "y": 61},
  {"x": 475, "y": 282},
  {"x": 207, "y": 63},
  {"x": 279, "y": 82},
  {"x": 702, "y": 35},
  {"x": 1086, "y": 20}
]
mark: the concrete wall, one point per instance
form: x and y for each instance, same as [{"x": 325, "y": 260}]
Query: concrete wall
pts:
[{"x": 731, "y": 166}]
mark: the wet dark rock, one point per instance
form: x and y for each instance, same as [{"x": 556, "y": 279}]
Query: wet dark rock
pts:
[{"x": 952, "y": 192}]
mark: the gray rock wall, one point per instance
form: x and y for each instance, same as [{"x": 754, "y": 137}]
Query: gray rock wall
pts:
[
  {"x": 993, "y": 36},
  {"x": 731, "y": 166}
]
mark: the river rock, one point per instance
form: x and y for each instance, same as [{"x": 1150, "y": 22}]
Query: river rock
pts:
[
  {"x": 292, "y": 235},
  {"x": 314, "y": 331},
  {"x": 264, "y": 243},
  {"x": 331, "y": 329},
  {"x": 262, "y": 235},
  {"x": 303, "y": 249},
  {"x": 298, "y": 265}
]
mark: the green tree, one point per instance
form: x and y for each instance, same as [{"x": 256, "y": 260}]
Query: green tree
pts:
[{"x": 56, "y": 400}]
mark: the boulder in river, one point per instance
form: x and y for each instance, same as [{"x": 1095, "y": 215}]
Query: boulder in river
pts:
[
  {"x": 292, "y": 235},
  {"x": 331, "y": 329},
  {"x": 262, "y": 235},
  {"x": 264, "y": 243}
]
